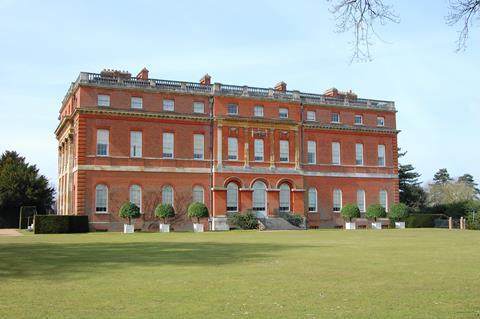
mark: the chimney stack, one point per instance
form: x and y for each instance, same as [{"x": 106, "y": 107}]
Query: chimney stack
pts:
[
  {"x": 143, "y": 74},
  {"x": 206, "y": 79},
  {"x": 281, "y": 86}
]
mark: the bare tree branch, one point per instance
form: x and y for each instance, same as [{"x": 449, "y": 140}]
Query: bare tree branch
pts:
[
  {"x": 360, "y": 16},
  {"x": 464, "y": 12}
]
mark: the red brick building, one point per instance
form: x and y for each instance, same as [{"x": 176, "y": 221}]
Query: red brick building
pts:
[{"x": 235, "y": 148}]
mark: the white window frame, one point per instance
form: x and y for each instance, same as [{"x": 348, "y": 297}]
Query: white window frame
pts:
[
  {"x": 311, "y": 152},
  {"x": 103, "y": 138},
  {"x": 380, "y": 121},
  {"x": 358, "y": 116},
  {"x": 232, "y": 149},
  {"x": 231, "y": 105},
  {"x": 168, "y": 105},
  {"x": 103, "y": 188},
  {"x": 135, "y": 189},
  {"x": 283, "y": 113},
  {"x": 337, "y": 200},
  {"x": 258, "y": 148},
  {"x": 336, "y": 153},
  {"x": 258, "y": 111},
  {"x": 382, "y": 193},
  {"x": 199, "y": 107},
  {"x": 232, "y": 203},
  {"x": 136, "y": 141},
  {"x": 382, "y": 162},
  {"x": 197, "y": 189},
  {"x": 165, "y": 139},
  {"x": 166, "y": 200},
  {"x": 361, "y": 200},
  {"x": 198, "y": 146},
  {"x": 312, "y": 190},
  {"x": 136, "y": 102},
  {"x": 359, "y": 154},
  {"x": 284, "y": 151},
  {"x": 103, "y": 100},
  {"x": 335, "y": 117},
  {"x": 311, "y": 116},
  {"x": 284, "y": 198}
]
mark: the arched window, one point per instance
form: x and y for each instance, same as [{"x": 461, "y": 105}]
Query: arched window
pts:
[
  {"x": 136, "y": 196},
  {"x": 312, "y": 200},
  {"x": 337, "y": 200},
  {"x": 167, "y": 195},
  {"x": 284, "y": 198},
  {"x": 361, "y": 200},
  {"x": 232, "y": 197},
  {"x": 198, "y": 194},
  {"x": 260, "y": 198},
  {"x": 383, "y": 199},
  {"x": 101, "y": 198}
]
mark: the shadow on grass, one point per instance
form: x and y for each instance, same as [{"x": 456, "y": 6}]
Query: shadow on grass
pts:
[{"x": 60, "y": 261}]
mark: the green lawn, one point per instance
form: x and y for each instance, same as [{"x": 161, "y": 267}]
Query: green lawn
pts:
[{"x": 416, "y": 273}]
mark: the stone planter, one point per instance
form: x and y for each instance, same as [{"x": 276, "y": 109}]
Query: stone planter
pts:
[
  {"x": 164, "y": 228},
  {"x": 198, "y": 228},
  {"x": 350, "y": 225},
  {"x": 376, "y": 225},
  {"x": 400, "y": 225},
  {"x": 128, "y": 229}
]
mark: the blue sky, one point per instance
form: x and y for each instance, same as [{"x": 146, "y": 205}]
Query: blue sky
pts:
[{"x": 44, "y": 45}]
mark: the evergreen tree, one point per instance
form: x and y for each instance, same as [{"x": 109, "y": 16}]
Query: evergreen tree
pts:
[
  {"x": 468, "y": 180},
  {"x": 442, "y": 176},
  {"x": 21, "y": 185},
  {"x": 411, "y": 192}
]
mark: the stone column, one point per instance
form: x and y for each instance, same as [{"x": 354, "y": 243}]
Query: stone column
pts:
[
  {"x": 272, "y": 148},
  {"x": 297, "y": 150},
  {"x": 219, "y": 146},
  {"x": 246, "y": 148}
]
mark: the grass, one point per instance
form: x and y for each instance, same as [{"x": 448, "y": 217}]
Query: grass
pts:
[{"x": 413, "y": 273}]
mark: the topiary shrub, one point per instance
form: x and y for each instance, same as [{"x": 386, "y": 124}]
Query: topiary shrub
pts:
[
  {"x": 245, "y": 220},
  {"x": 375, "y": 211},
  {"x": 197, "y": 211},
  {"x": 350, "y": 211},
  {"x": 129, "y": 211},
  {"x": 399, "y": 212},
  {"x": 294, "y": 219},
  {"x": 164, "y": 211}
]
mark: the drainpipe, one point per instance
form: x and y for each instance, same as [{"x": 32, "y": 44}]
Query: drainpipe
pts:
[{"x": 211, "y": 156}]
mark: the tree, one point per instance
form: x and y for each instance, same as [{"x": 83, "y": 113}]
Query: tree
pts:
[
  {"x": 398, "y": 212},
  {"x": 411, "y": 192},
  {"x": 468, "y": 180},
  {"x": 442, "y": 177},
  {"x": 350, "y": 211},
  {"x": 197, "y": 211},
  {"x": 450, "y": 192},
  {"x": 21, "y": 185},
  {"x": 164, "y": 211},
  {"x": 361, "y": 16},
  {"x": 375, "y": 211},
  {"x": 129, "y": 211}
]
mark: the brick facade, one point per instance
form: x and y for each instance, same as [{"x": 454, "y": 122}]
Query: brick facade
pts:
[{"x": 82, "y": 169}]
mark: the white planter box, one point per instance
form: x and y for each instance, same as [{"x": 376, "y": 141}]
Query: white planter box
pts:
[
  {"x": 350, "y": 225},
  {"x": 198, "y": 228},
  {"x": 164, "y": 228},
  {"x": 128, "y": 229},
  {"x": 400, "y": 225},
  {"x": 376, "y": 225}
]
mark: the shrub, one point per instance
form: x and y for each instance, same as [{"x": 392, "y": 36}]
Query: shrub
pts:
[
  {"x": 245, "y": 220},
  {"x": 58, "y": 224},
  {"x": 26, "y": 216},
  {"x": 164, "y": 211},
  {"x": 399, "y": 212},
  {"x": 350, "y": 211},
  {"x": 129, "y": 211},
  {"x": 197, "y": 211},
  {"x": 375, "y": 211},
  {"x": 422, "y": 220},
  {"x": 294, "y": 219},
  {"x": 473, "y": 220}
]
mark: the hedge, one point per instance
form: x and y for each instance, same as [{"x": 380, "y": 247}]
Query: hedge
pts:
[
  {"x": 422, "y": 220},
  {"x": 25, "y": 213},
  {"x": 60, "y": 224}
]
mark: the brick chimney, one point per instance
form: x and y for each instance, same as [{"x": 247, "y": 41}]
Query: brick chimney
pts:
[
  {"x": 206, "y": 79},
  {"x": 115, "y": 74},
  {"x": 143, "y": 74},
  {"x": 333, "y": 92},
  {"x": 281, "y": 86}
]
